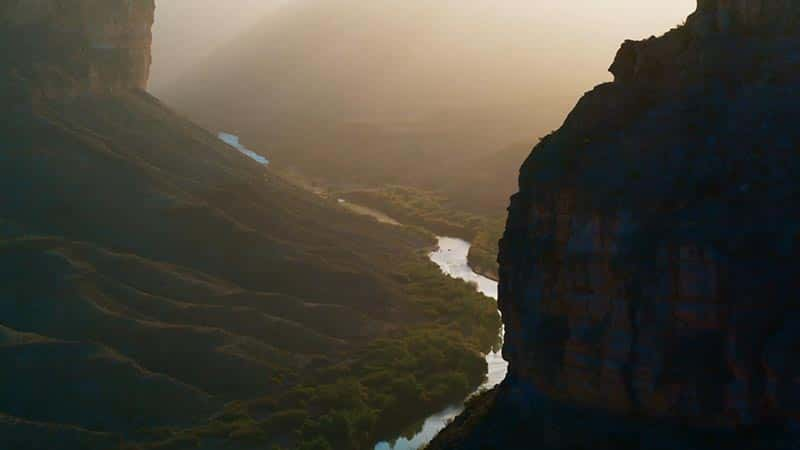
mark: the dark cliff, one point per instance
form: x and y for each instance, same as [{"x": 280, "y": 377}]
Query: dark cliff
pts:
[
  {"x": 649, "y": 265},
  {"x": 61, "y": 48}
]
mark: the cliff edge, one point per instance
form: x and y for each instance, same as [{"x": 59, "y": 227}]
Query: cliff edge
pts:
[
  {"x": 66, "y": 48},
  {"x": 649, "y": 264}
]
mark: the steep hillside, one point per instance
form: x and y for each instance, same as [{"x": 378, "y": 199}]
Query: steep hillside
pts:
[
  {"x": 648, "y": 268},
  {"x": 159, "y": 288}
]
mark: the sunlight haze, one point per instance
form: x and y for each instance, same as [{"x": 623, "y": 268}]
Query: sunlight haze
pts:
[
  {"x": 399, "y": 224},
  {"x": 187, "y": 31},
  {"x": 575, "y": 41},
  {"x": 393, "y": 90}
]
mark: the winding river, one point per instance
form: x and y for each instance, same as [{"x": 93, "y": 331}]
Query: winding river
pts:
[{"x": 451, "y": 257}]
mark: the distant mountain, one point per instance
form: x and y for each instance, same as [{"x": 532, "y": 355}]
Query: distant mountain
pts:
[
  {"x": 365, "y": 61},
  {"x": 484, "y": 183},
  {"x": 403, "y": 91},
  {"x": 186, "y": 32},
  {"x": 353, "y": 91}
]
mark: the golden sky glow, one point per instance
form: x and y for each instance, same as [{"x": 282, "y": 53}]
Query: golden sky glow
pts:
[{"x": 545, "y": 51}]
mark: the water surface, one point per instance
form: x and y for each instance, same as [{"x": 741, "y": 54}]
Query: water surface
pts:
[
  {"x": 233, "y": 141},
  {"x": 451, "y": 257}
]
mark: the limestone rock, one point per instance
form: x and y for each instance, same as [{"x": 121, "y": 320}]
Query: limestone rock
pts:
[{"x": 80, "y": 46}]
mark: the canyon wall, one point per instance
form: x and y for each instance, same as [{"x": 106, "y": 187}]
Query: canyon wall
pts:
[
  {"x": 649, "y": 266},
  {"x": 58, "y": 48},
  {"x": 727, "y": 14}
]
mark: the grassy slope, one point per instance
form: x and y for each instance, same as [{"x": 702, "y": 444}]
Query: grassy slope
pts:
[{"x": 176, "y": 273}]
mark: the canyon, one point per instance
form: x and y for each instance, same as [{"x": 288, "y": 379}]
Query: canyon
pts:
[{"x": 648, "y": 269}]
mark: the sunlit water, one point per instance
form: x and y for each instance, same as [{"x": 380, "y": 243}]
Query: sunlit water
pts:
[
  {"x": 451, "y": 257},
  {"x": 233, "y": 141}
]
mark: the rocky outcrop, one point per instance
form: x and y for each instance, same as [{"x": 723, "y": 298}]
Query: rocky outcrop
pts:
[
  {"x": 726, "y": 15},
  {"x": 63, "y": 48},
  {"x": 649, "y": 265}
]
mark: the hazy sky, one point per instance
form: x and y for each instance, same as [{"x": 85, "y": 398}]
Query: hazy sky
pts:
[
  {"x": 543, "y": 52},
  {"x": 186, "y": 31}
]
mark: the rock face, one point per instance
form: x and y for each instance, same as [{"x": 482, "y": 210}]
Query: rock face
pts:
[
  {"x": 80, "y": 46},
  {"x": 724, "y": 15},
  {"x": 649, "y": 266}
]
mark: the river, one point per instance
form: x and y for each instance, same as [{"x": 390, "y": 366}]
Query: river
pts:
[
  {"x": 233, "y": 141},
  {"x": 451, "y": 257}
]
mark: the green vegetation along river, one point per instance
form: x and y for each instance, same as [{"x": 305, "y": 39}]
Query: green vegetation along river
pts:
[{"x": 451, "y": 257}]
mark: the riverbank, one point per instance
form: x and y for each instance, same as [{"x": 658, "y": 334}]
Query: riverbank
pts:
[
  {"x": 430, "y": 357},
  {"x": 451, "y": 258},
  {"x": 433, "y": 211}
]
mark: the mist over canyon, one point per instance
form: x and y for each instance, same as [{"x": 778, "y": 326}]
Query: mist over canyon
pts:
[
  {"x": 449, "y": 95},
  {"x": 165, "y": 286}
]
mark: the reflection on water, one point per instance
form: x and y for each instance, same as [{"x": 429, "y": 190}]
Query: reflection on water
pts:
[
  {"x": 451, "y": 257},
  {"x": 233, "y": 141}
]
